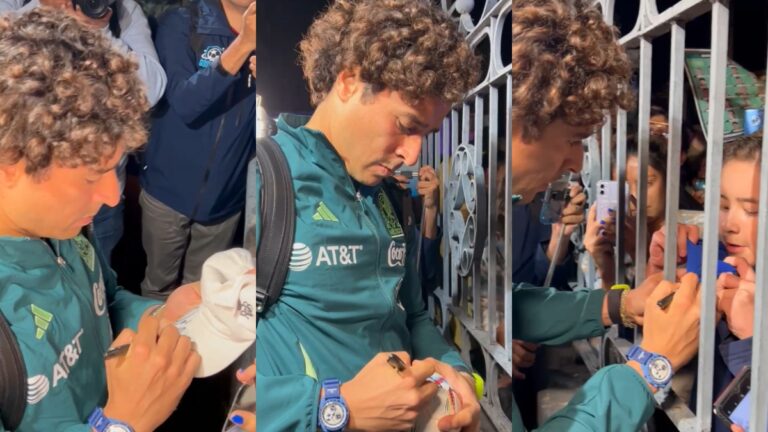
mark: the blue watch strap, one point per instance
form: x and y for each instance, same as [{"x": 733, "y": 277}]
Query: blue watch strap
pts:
[
  {"x": 332, "y": 395},
  {"x": 100, "y": 422}
]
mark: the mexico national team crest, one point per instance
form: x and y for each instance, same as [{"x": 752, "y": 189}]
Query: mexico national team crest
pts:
[
  {"x": 388, "y": 214},
  {"x": 210, "y": 54},
  {"x": 86, "y": 251}
]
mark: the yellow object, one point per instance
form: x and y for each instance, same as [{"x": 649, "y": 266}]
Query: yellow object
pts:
[
  {"x": 479, "y": 385},
  {"x": 620, "y": 287}
]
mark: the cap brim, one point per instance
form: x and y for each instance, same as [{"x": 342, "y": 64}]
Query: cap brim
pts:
[{"x": 216, "y": 351}]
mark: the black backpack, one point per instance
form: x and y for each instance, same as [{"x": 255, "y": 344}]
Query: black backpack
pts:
[{"x": 278, "y": 223}]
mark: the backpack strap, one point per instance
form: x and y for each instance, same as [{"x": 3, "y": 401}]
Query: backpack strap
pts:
[
  {"x": 13, "y": 378},
  {"x": 278, "y": 222}
]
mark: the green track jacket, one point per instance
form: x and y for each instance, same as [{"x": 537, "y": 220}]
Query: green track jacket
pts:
[
  {"x": 62, "y": 309},
  {"x": 351, "y": 292}
]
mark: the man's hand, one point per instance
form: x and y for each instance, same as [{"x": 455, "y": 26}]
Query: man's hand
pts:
[
  {"x": 468, "y": 417},
  {"x": 380, "y": 399},
  {"x": 636, "y": 299},
  {"x": 146, "y": 384},
  {"x": 248, "y": 27},
  {"x": 656, "y": 250},
  {"x": 736, "y": 298},
  {"x": 673, "y": 332},
  {"x": 429, "y": 187},
  {"x": 523, "y": 356}
]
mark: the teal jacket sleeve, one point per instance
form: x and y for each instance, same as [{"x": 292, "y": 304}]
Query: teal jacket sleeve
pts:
[
  {"x": 551, "y": 317},
  {"x": 426, "y": 340},
  {"x": 287, "y": 403},
  {"x": 615, "y": 399},
  {"x": 125, "y": 308}
]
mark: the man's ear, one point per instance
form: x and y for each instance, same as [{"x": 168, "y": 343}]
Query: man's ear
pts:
[{"x": 347, "y": 84}]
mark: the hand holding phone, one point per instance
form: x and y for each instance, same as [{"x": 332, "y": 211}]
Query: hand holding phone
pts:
[{"x": 733, "y": 405}]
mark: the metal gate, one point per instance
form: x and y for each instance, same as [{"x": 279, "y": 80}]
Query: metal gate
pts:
[{"x": 483, "y": 122}]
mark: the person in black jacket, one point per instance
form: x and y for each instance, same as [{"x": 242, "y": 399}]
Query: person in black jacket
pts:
[{"x": 194, "y": 176}]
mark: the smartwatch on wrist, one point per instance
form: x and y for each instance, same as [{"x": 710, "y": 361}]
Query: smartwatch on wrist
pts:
[
  {"x": 657, "y": 369},
  {"x": 101, "y": 423},
  {"x": 333, "y": 414}
]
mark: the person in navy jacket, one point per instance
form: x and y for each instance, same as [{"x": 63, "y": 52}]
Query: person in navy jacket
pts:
[{"x": 202, "y": 138}]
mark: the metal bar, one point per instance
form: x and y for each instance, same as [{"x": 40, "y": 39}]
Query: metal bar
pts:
[
  {"x": 759, "y": 418},
  {"x": 643, "y": 135},
  {"x": 711, "y": 209},
  {"x": 493, "y": 149},
  {"x": 683, "y": 11},
  {"x": 605, "y": 147},
  {"x": 621, "y": 175},
  {"x": 675, "y": 120},
  {"x": 477, "y": 282},
  {"x": 508, "y": 262},
  {"x": 454, "y": 145}
]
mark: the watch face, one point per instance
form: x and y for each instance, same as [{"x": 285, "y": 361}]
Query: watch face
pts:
[
  {"x": 333, "y": 414},
  {"x": 660, "y": 369},
  {"x": 117, "y": 428}
]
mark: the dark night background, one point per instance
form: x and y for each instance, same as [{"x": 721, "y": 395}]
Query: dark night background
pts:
[{"x": 281, "y": 24}]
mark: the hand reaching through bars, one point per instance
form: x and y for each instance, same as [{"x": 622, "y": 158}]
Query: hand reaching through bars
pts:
[
  {"x": 736, "y": 297},
  {"x": 673, "y": 332},
  {"x": 599, "y": 238},
  {"x": 572, "y": 217},
  {"x": 656, "y": 250}
]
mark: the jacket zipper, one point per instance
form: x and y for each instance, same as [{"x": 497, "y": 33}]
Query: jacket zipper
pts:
[
  {"x": 211, "y": 156},
  {"x": 372, "y": 227}
]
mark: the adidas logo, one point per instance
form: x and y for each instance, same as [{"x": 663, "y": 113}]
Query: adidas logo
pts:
[
  {"x": 42, "y": 320},
  {"x": 323, "y": 213}
]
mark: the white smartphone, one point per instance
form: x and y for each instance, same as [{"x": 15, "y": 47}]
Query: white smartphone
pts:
[{"x": 607, "y": 198}]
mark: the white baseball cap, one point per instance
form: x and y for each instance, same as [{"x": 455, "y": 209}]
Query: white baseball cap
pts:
[{"x": 224, "y": 325}]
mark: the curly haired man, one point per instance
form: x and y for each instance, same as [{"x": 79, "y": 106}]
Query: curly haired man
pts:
[
  {"x": 71, "y": 107},
  {"x": 382, "y": 73}
]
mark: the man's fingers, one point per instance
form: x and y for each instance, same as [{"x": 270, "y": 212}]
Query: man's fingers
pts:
[
  {"x": 422, "y": 369},
  {"x": 728, "y": 281},
  {"x": 663, "y": 289},
  {"x": 687, "y": 292},
  {"x": 461, "y": 419}
]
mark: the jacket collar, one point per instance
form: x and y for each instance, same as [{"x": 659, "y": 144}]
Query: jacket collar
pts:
[
  {"x": 211, "y": 20},
  {"x": 322, "y": 153}
]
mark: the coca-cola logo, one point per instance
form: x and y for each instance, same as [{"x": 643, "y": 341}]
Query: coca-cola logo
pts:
[{"x": 396, "y": 254}]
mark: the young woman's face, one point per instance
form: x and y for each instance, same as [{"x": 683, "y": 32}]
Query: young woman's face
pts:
[
  {"x": 656, "y": 204},
  {"x": 739, "y": 195}
]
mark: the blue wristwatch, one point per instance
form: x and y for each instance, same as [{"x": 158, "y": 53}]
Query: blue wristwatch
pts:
[
  {"x": 657, "y": 370},
  {"x": 101, "y": 423},
  {"x": 333, "y": 414}
]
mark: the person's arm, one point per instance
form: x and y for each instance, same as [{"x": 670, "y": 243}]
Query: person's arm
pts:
[
  {"x": 615, "y": 399},
  {"x": 426, "y": 340},
  {"x": 549, "y": 316},
  {"x": 292, "y": 403},
  {"x": 431, "y": 268},
  {"x": 189, "y": 92},
  {"x": 736, "y": 354},
  {"x": 136, "y": 39}
]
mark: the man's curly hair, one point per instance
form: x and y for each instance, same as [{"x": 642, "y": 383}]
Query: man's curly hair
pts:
[
  {"x": 67, "y": 96},
  {"x": 408, "y": 46},
  {"x": 566, "y": 64}
]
